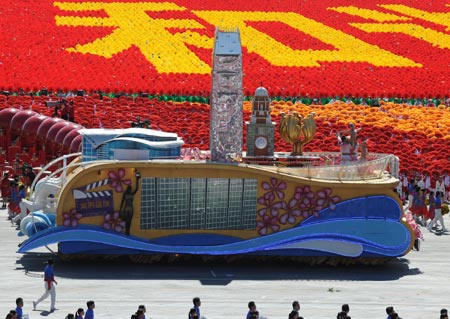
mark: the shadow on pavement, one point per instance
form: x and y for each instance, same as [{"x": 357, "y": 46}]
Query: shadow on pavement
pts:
[{"x": 213, "y": 272}]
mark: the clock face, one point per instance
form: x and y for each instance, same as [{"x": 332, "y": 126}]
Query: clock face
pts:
[{"x": 261, "y": 142}]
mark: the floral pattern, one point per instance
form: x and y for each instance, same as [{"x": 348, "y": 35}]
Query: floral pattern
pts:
[
  {"x": 71, "y": 218},
  {"x": 277, "y": 211},
  {"x": 116, "y": 179},
  {"x": 274, "y": 188},
  {"x": 112, "y": 221}
]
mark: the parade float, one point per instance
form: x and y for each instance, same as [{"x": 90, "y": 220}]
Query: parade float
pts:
[{"x": 137, "y": 192}]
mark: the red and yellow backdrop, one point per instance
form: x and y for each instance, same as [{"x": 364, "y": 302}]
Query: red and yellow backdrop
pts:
[{"x": 317, "y": 48}]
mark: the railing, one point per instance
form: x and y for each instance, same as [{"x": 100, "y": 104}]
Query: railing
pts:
[
  {"x": 329, "y": 168},
  {"x": 62, "y": 170}
]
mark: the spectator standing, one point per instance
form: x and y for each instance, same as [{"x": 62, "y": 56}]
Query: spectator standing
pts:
[
  {"x": 251, "y": 309},
  {"x": 144, "y": 310},
  {"x": 431, "y": 207},
  {"x": 389, "y": 312},
  {"x": 192, "y": 314},
  {"x": 437, "y": 214},
  {"x": 79, "y": 314},
  {"x": 346, "y": 308},
  {"x": 295, "y": 306},
  {"x": 90, "y": 310},
  {"x": 71, "y": 111},
  {"x": 49, "y": 286},
  {"x": 19, "y": 306},
  {"x": 440, "y": 186},
  {"x": 197, "y": 303}
]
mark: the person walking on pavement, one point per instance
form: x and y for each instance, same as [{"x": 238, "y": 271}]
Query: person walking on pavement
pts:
[{"x": 49, "y": 286}]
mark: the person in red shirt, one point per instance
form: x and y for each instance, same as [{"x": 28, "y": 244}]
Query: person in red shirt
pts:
[
  {"x": 12, "y": 151},
  {"x": 34, "y": 161},
  {"x": 24, "y": 156},
  {"x": 17, "y": 165},
  {"x": 71, "y": 111},
  {"x": 64, "y": 107}
]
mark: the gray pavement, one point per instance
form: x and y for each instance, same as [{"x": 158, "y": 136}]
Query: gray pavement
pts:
[{"x": 418, "y": 285}]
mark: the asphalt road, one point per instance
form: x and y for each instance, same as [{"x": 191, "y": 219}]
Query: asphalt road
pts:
[{"x": 417, "y": 285}]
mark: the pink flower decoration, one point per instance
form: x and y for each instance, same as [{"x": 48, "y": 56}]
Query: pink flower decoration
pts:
[
  {"x": 270, "y": 208},
  {"x": 268, "y": 222},
  {"x": 292, "y": 212},
  {"x": 112, "y": 221},
  {"x": 116, "y": 180},
  {"x": 71, "y": 218},
  {"x": 324, "y": 198},
  {"x": 309, "y": 206},
  {"x": 274, "y": 188}
]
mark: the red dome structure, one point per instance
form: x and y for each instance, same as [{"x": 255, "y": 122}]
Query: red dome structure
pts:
[
  {"x": 75, "y": 146},
  {"x": 28, "y": 134},
  {"x": 62, "y": 133},
  {"x": 50, "y": 140},
  {"x": 68, "y": 141},
  {"x": 43, "y": 130},
  {"x": 5, "y": 120},
  {"x": 17, "y": 122}
]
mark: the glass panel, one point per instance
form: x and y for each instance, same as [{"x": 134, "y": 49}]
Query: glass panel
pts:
[
  {"x": 198, "y": 203},
  {"x": 235, "y": 204},
  {"x": 217, "y": 202},
  {"x": 249, "y": 204},
  {"x": 173, "y": 203},
  {"x": 148, "y": 204}
]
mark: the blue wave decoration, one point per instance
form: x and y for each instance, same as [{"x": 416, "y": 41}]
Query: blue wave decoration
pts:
[{"x": 347, "y": 231}]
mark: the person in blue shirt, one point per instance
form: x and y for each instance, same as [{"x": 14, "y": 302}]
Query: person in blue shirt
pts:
[
  {"x": 19, "y": 306},
  {"x": 79, "y": 314},
  {"x": 197, "y": 303},
  {"x": 49, "y": 284},
  {"x": 90, "y": 310},
  {"x": 389, "y": 311},
  {"x": 251, "y": 309}
]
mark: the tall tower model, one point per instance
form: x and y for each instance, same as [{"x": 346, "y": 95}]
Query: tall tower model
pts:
[
  {"x": 226, "y": 96},
  {"x": 260, "y": 129}
]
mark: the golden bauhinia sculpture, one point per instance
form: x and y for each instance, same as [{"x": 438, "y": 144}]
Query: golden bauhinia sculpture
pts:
[{"x": 297, "y": 130}]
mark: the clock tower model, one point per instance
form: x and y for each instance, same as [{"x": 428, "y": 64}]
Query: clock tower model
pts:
[{"x": 260, "y": 129}]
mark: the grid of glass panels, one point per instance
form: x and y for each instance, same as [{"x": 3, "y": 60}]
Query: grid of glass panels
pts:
[
  {"x": 148, "y": 203},
  {"x": 198, "y": 203},
  {"x": 172, "y": 203},
  {"x": 103, "y": 152},
  {"x": 250, "y": 188},
  {"x": 88, "y": 151},
  {"x": 217, "y": 203},
  {"x": 235, "y": 203}
]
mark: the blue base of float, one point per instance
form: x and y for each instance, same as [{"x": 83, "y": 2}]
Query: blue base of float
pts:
[{"x": 359, "y": 227}]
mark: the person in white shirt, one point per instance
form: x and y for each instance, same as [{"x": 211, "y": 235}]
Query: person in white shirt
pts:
[{"x": 440, "y": 186}]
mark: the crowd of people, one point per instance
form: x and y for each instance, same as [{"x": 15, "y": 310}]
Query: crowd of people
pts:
[
  {"x": 427, "y": 199},
  {"x": 194, "y": 312}
]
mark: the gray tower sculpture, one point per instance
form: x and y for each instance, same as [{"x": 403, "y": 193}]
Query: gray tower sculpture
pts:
[
  {"x": 226, "y": 96},
  {"x": 260, "y": 129}
]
